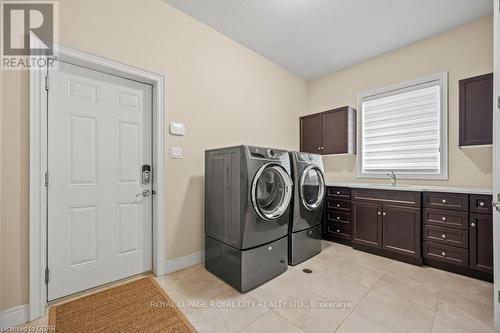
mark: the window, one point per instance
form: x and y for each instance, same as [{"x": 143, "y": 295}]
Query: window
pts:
[{"x": 403, "y": 128}]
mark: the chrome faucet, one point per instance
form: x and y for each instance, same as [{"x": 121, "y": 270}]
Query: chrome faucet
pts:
[{"x": 393, "y": 177}]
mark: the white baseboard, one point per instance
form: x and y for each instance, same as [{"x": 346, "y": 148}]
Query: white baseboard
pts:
[
  {"x": 184, "y": 262},
  {"x": 14, "y": 316}
]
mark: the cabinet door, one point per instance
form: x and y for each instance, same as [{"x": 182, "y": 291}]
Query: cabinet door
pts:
[
  {"x": 476, "y": 110},
  {"x": 338, "y": 131},
  {"x": 310, "y": 133},
  {"x": 367, "y": 218},
  {"x": 481, "y": 242},
  {"x": 401, "y": 230}
]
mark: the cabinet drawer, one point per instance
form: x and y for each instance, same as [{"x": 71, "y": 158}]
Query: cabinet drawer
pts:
[
  {"x": 338, "y": 217},
  {"x": 449, "y": 254},
  {"x": 446, "y": 236},
  {"x": 451, "y": 201},
  {"x": 338, "y": 230},
  {"x": 446, "y": 218},
  {"x": 400, "y": 198},
  {"x": 481, "y": 204},
  {"x": 338, "y": 204},
  {"x": 339, "y": 192}
]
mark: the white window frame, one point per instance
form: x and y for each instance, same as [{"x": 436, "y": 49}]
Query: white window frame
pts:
[{"x": 442, "y": 80}]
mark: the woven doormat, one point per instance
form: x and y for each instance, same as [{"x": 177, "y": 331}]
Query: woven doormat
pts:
[{"x": 137, "y": 306}]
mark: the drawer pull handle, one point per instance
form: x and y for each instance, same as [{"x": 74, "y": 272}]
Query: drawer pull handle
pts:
[
  {"x": 310, "y": 232},
  {"x": 443, "y": 236},
  {"x": 481, "y": 204},
  {"x": 378, "y": 213},
  {"x": 443, "y": 254},
  {"x": 443, "y": 201},
  {"x": 473, "y": 224},
  {"x": 443, "y": 218}
]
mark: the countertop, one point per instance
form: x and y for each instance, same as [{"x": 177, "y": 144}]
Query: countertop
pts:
[{"x": 417, "y": 188}]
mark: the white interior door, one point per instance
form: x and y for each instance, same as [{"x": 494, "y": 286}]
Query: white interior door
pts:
[
  {"x": 99, "y": 221},
  {"x": 496, "y": 164}
]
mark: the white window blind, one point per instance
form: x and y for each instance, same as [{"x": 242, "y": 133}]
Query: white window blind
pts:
[{"x": 401, "y": 131}]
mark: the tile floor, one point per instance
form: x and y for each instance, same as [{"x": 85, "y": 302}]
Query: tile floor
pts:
[{"x": 348, "y": 291}]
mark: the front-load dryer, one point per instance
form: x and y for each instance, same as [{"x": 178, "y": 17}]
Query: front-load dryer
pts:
[
  {"x": 304, "y": 239},
  {"x": 248, "y": 191}
]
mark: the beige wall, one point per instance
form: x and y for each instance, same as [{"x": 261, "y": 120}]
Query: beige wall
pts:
[
  {"x": 463, "y": 52},
  {"x": 223, "y": 92}
]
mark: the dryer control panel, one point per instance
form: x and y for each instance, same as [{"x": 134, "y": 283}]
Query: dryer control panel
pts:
[
  {"x": 309, "y": 158},
  {"x": 266, "y": 153}
]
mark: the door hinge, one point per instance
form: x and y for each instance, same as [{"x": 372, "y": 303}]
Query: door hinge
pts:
[
  {"x": 46, "y": 275},
  {"x": 47, "y": 82},
  {"x": 46, "y": 179},
  {"x": 498, "y": 296},
  {"x": 498, "y": 102}
]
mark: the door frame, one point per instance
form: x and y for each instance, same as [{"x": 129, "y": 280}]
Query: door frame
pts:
[
  {"x": 38, "y": 165},
  {"x": 496, "y": 162}
]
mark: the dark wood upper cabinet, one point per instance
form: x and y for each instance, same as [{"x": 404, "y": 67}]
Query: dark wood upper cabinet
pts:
[
  {"x": 329, "y": 132},
  {"x": 310, "y": 133},
  {"x": 476, "y": 110}
]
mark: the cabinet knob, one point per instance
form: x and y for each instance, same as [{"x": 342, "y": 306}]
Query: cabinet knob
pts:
[
  {"x": 319, "y": 148},
  {"x": 443, "y": 236},
  {"x": 338, "y": 217},
  {"x": 473, "y": 224},
  {"x": 383, "y": 213},
  {"x": 443, "y": 201},
  {"x": 338, "y": 192},
  {"x": 338, "y": 205},
  {"x": 443, "y": 254},
  {"x": 378, "y": 213},
  {"x": 481, "y": 204},
  {"x": 338, "y": 230},
  {"x": 443, "y": 218},
  {"x": 310, "y": 232}
]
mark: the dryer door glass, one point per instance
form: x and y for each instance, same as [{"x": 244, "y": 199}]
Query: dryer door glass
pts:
[
  {"x": 312, "y": 187},
  {"x": 271, "y": 192}
]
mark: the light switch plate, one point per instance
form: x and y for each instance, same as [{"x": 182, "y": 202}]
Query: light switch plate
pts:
[{"x": 176, "y": 152}]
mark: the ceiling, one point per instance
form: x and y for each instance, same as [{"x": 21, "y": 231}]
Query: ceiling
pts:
[{"x": 311, "y": 38}]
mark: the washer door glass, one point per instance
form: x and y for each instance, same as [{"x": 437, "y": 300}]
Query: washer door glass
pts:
[
  {"x": 312, "y": 187},
  {"x": 271, "y": 192}
]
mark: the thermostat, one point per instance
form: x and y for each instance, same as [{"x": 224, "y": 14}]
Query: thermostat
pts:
[{"x": 177, "y": 128}]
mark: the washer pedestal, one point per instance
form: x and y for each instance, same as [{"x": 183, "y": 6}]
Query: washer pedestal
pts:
[{"x": 246, "y": 269}]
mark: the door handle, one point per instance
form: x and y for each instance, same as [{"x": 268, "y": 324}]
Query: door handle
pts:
[{"x": 144, "y": 193}]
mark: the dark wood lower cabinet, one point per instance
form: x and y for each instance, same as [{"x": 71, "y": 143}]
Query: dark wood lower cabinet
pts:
[
  {"x": 453, "y": 232},
  {"x": 481, "y": 242},
  {"x": 367, "y": 222},
  {"x": 401, "y": 230},
  {"x": 389, "y": 223}
]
